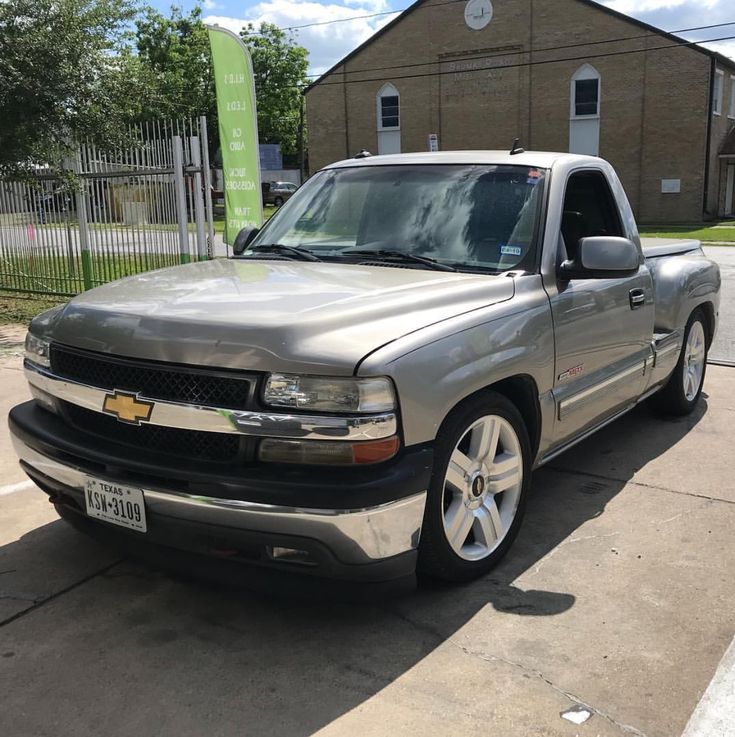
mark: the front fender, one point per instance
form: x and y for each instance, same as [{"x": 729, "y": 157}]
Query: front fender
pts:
[{"x": 434, "y": 371}]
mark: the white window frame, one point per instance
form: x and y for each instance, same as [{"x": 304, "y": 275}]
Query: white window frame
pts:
[
  {"x": 731, "y": 115},
  {"x": 718, "y": 91},
  {"x": 387, "y": 90},
  {"x": 585, "y": 72}
]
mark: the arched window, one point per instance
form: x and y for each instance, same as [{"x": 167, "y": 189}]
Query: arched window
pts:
[
  {"x": 388, "y": 120},
  {"x": 584, "y": 113}
]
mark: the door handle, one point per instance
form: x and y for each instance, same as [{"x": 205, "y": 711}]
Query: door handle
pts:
[{"x": 637, "y": 298}]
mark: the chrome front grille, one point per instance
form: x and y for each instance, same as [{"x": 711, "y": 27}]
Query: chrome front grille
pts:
[{"x": 189, "y": 444}]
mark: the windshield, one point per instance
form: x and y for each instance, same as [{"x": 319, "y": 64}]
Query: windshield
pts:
[{"x": 476, "y": 217}]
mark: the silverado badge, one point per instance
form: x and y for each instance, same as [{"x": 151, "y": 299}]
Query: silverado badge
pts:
[{"x": 127, "y": 407}]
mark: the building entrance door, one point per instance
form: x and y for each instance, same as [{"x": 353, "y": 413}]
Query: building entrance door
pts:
[{"x": 730, "y": 191}]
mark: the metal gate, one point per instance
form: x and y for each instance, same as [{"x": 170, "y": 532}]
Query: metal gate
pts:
[{"x": 130, "y": 210}]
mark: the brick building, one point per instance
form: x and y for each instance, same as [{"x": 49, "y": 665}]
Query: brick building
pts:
[{"x": 562, "y": 75}]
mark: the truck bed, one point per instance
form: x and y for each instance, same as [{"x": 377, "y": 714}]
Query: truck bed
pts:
[{"x": 659, "y": 247}]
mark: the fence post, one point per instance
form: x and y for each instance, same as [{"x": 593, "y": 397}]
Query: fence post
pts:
[
  {"x": 207, "y": 176},
  {"x": 81, "y": 204},
  {"x": 180, "y": 188},
  {"x": 196, "y": 160}
]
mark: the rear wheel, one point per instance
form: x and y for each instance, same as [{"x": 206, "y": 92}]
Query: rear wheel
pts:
[
  {"x": 682, "y": 392},
  {"x": 478, "y": 490},
  {"x": 278, "y": 201}
]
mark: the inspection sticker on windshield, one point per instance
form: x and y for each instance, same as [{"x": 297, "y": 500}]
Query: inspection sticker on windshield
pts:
[
  {"x": 511, "y": 251},
  {"x": 120, "y": 505},
  {"x": 533, "y": 176}
]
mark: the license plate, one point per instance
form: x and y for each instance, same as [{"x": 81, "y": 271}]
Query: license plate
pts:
[{"x": 120, "y": 505}]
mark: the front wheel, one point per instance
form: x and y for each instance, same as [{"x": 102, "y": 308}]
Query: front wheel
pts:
[
  {"x": 278, "y": 201},
  {"x": 680, "y": 395},
  {"x": 478, "y": 490}
]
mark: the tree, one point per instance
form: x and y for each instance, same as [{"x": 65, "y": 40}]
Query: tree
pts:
[
  {"x": 176, "y": 64},
  {"x": 65, "y": 76},
  {"x": 279, "y": 66}
]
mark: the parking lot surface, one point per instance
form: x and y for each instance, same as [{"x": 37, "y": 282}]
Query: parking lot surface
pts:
[{"x": 616, "y": 599}]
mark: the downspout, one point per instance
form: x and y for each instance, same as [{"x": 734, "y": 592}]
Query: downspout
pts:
[{"x": 710, "y": 115}]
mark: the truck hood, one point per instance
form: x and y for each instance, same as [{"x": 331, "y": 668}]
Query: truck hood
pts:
[{"x": 267, "y": 315}]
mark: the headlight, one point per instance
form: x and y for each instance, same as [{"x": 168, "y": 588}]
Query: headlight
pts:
[
  {"x": 330, "y": 394},
  {"x": 37, "y": 351}
]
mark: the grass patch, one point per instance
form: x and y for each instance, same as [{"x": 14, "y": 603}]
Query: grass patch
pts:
[
  {"x": 22, "y": 309},
  {"x": 724, "y": 234},
  {"x": 61, "y": 275}
]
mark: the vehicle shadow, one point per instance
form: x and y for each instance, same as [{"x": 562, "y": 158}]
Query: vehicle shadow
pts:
[{"x": 192, "y": 655}]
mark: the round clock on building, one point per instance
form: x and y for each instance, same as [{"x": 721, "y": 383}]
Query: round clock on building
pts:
[{"x": 478, "y": 13}]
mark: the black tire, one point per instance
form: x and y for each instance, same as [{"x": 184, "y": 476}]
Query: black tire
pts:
[
  {"x": 672, "y": 400},
  {"x": 278, "y": 201},
  {"x": 437, "y": 559}
]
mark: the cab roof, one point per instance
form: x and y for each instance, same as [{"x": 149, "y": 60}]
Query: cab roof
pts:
[{"x": 539, "y": 159}]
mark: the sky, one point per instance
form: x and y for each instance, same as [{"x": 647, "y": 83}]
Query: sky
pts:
[{"x": 327, "y": 44}]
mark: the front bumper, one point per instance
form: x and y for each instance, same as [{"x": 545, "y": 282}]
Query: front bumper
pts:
[{"x": 372, "y": 542}]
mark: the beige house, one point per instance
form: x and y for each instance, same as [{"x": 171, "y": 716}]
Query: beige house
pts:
[{"x": 562, "y": 75}]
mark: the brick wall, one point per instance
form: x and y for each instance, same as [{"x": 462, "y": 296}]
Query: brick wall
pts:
[{"x": 654, "y": 102}]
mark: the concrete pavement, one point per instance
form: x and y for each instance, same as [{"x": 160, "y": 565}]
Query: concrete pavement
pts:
[{"x": 617, "y": 595}]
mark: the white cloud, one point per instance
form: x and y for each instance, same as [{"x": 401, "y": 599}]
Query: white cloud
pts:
[
  {"x": 211, "y": 4},
  {"x": 328, "y": 43},
  {"x": 674, "y": 15}
]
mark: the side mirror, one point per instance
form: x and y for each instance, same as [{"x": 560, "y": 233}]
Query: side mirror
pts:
[
  {"x": 243, "y": 240},
  {"x": 602, "y": 257}
]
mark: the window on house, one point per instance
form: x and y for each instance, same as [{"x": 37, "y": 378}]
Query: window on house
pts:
[
  {"x": 717, "y": 93},
  {"x": 732, "y": 96},
  {"x": 390, "y": 108},
  {"x": 584, "y": 112},
  {"x": 586, "y": 97},
  {"x": 585, "y": 92},
  {"x": 388, "y": 114}
]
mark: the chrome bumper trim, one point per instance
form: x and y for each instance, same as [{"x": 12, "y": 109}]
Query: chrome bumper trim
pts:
[
  {"x": 213, "y": 419},
  {"x": 355, "y": 536}
]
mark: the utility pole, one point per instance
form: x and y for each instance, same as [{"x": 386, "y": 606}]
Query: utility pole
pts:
[{"x": 302, "y": 173}]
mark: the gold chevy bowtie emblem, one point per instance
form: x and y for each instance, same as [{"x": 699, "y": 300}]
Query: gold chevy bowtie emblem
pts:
[{"x": 127, "y": 407}]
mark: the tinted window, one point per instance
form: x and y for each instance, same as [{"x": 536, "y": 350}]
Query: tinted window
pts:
[{"x": 589, "y": 209}]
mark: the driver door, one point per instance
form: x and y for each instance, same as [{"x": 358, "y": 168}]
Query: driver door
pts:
[{"x": 602, "y": 327}]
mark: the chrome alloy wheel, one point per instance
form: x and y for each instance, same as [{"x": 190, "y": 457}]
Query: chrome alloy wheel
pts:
[
  {"x": 482, "y": 487},
  {"x": 694, "y": 358}
]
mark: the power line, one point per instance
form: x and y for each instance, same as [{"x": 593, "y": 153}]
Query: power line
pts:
[
  {"x": 355, "y": 17},
  {"x": 533, "y": 51},
  {"x": 584, "y": 57}
]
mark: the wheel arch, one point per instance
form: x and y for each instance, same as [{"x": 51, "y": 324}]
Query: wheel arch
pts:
[
  {"x": 521, "y": 390},
  {"x": 708, "y": 309}
]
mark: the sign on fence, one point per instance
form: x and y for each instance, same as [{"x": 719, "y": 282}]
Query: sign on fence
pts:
[{"x": 238, "y": 131}]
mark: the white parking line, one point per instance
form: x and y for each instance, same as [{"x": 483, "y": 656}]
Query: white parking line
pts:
[
  {"x": 715, "y": 713},
  {"x": 12, "y": 488}
]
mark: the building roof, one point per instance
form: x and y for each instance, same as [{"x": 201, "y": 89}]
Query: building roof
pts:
[{"x": 603, "y": 8}]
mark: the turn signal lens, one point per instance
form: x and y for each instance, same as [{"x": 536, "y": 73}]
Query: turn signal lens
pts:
[{"x": 328, "y": 453}]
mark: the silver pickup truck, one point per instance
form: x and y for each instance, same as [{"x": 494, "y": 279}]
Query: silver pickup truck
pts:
[{"x": 366, "y": 387}]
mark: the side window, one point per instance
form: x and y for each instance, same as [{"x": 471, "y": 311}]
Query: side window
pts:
[{"x": 589, "y": 209}]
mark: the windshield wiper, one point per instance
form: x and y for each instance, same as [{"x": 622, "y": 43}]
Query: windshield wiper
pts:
[
  {"x": 392, "y": 255},
  {"x": 294, "y": 252}
]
